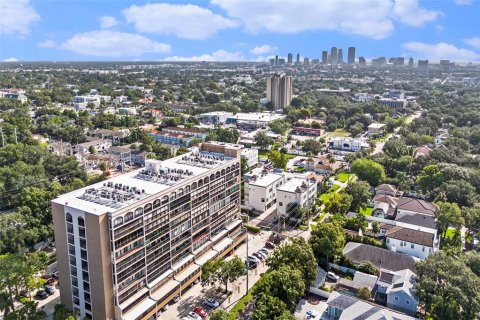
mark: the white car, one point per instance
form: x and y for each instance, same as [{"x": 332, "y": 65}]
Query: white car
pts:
[
  {"x": 332, "y": 276},
  {"x": 193, "y": 316}
]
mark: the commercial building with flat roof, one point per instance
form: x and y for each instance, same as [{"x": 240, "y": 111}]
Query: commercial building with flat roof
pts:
[
  {"x": 128, "y": 245},
  {"x": 263, "y": 118},
  {"x": 216, "y": 117}
]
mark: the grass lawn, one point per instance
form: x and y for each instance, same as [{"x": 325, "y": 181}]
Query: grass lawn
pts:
[
  {"x": 344, "y": 177},
  {"x": 324, "y": 197},
  {"x": 334, "y": 188},
  {"x": 300, "y": 170},
  {"x": 337, "y": 133},
  {"x": 263, "y": 154},
  {"x": 450, "y": 233},
  {"x": 367, "y": 211}
]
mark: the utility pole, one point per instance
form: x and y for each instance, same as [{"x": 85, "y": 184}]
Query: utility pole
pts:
[{"x": 248, "y": 264}]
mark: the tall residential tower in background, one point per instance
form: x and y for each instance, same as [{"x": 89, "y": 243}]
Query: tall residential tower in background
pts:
[
  {"x": 279, "y": 91},
  {"x": 351, "y": 55}
]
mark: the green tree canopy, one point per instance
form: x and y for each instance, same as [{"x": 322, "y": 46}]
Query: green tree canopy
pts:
[
  {"x": 360, "y": 192},
  {"x": 299, "y": 255},
  {"x": 327, "y": 241},
  {"x": 368, "y": 170}
]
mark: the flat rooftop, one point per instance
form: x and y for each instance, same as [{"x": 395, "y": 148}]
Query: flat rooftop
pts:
[
  {"x": 121, "y": 191},
  {"x": 293, "y": 183},
  {"x": 257, "y": 116},
  {"x": 266, "y": 180}
]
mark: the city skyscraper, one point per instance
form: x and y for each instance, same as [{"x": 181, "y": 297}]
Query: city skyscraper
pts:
[
  {"x": 362, "y": 61},
  {"x": 351, "y": 55},
  {"x": 128, "y": 245},
  {"x": 410, "y": 63},
  {"x": 298, "y": 58},
  {"x": 324, "y": 57},
  {"x": 279, "y": 91},
  {"x": 333, "y": 55},
  {"x": 276, "y": 61},
  {"x": 340, "y": 56},
  {"x": 290, "y": 58}
]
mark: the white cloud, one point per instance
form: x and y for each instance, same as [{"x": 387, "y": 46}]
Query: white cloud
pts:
[
  {"x": 48, "y": 44},
  {"x": 12, "y": 59},
  {"x": 463, "y": 2},
  {"x": 184, "y": 21},
  {"x": 16, "y": 17},
  {"x": 372, "y": 18},
  {"x": 474, "y": 42},
  {"x": 106, "y": 43},
  {"x": 440, "y": 51},
  {"x": 265, "y": 48},
  {"x": 410, "y": 13},
  {"x": 219, "y": 55},
  {"x": 439, "y": 28},
  {"x": 107, "y": 22}
]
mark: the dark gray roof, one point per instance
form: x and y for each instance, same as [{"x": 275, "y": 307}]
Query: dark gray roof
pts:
[
  {"x": 386, "y": 277},
  {"x": 342, "y": 302},
  {"x": 367, "y": 314},
  {"x": 420, "y": 220},
  {"x": 381, "y": 258}
]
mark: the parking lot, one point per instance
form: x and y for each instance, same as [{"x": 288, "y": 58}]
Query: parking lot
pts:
[{"x": 197, "y": 294}]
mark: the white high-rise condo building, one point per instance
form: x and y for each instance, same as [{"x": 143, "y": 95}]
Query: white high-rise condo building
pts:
[{"x": 129, "y": 245}]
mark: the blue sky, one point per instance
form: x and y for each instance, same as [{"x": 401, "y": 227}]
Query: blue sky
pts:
[{"x": 233, "y": 30}]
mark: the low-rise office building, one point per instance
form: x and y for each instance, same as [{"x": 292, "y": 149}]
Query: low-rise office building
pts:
[
  {"x": 348, "y": 144},
  {"x": 128, "y": 245},
  {"x": 393, "y": 103},
  {"x": 215, "y": 118}
]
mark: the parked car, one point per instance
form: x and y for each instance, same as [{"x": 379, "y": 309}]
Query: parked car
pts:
[
  {"x": 258, "y": 256},
  {"x": 332, "y": 276},
  {"x": 55, "y": 274},
  {"x": 251, "y": 264},
  {"x": 212, "y": 303},
  {"x": 269, "y": 245},
  {"x": 265, "y": 251},
  {"x": 49, "y": 289},
  {"x": 193, "y": 316},
  {"x": 41, "y": 294},
  {"x": 176, "y": 299},
  {"x": 253, "y": 258},
  {"x": 202, "y": 313}
]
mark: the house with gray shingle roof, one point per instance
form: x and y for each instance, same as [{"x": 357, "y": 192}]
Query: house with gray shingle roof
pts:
[{"x": 344, "y": 307}]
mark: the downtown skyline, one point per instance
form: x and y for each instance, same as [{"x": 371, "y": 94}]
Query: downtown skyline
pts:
[{"x": 221, "y": 30}]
